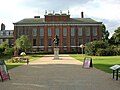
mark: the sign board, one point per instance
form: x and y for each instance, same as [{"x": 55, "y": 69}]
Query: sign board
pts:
[
  {"x": 87, "y": 63},
  {"x": 3, "y": 71},
  {"x": 115, "y": 67}
]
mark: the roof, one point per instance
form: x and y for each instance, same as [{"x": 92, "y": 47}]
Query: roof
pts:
[{"x": 72, "y": 20}]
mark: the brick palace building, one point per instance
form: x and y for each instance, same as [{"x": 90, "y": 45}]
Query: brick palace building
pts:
[
  {"x": 6, "y": 35},
  {"x": 72, "y": 32}
]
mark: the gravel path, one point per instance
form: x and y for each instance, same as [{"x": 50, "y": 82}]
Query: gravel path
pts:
[{"x": 63, "y": 74}]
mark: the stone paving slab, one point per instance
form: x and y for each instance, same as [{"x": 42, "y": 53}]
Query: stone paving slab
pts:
[{"x": 63, "y": 74}]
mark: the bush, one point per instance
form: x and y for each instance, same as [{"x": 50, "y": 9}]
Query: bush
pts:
[
  {"x": 92, "y": 47},
  {"x": 106, "y": 52},
  {"x": 9, "y": 51},
  {"x": 117, "y": 50}
]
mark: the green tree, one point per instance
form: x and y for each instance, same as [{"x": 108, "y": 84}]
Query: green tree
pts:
[
  {"x": 5, "y": 49},
  {"x": 23, "y": 43},
  {"x": 116, "y": 36},
  {"x": 105, "y": 33},
  {"x": 8, "y": 51},
  {"x": 92, "y": 47}
]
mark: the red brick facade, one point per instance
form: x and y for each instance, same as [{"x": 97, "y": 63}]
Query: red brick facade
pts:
[{"x": 72, "y": 32}]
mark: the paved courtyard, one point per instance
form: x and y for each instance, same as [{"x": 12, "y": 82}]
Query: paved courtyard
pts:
[{"x": 63, "y": 74}]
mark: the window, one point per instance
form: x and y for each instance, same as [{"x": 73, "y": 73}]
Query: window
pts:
[
  {"x": 94, "y": 31},
  {"x": 7, "y": 33},
  {"x": 49, "y": 31},
  {"x": 65, "y": 49},
  {"x": 1, "y": 40},
  {"x": 72, "y": 31},
  {"x": 72, "y": 42},
  {"x": 87, "y": 40},
  {"x": 34, "y": 42},
  {"x": 64, "y": 31},
  {"x": 65, "y": 42},
  {"x": 49, "y": 49},
  {"x": 87, "y": 30},
  {"x": 34, "y": 31},
  {"x": 80, "y": 41},
  {"x": 49, "y": 42},
  {"x": 1, "y": 33},
  {"x": 57, "y": 31},
  {"x": 41, "y": 31},
  {"x": 80, "y": 31},
  {"x": 41, "y": 42},
  {"x": 17, "y": 30},
  {"x": 11, "y": 33}
]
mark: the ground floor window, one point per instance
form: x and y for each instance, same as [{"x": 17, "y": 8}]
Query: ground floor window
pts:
[
  {"x": 34, "y": 42},
  {"x": 49, "y": 49},
  {"x": 73, "y": 49},
  {"x": 65, "y": 50}
]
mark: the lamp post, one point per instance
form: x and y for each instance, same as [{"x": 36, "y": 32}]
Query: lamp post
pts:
[{"x": 82, "y": 46}]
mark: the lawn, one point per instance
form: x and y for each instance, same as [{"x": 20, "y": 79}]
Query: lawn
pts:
[
  {"x": 13, "y": 65},
  {"x": 100, "y": 62}
]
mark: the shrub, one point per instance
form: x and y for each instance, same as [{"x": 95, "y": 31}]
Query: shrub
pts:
[
  {"x": 92, "y": 47},
  {"x": 106, "y": 52},
  {"x": 9, "y": 51}
]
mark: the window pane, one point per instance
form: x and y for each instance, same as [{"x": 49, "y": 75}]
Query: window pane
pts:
[
  {"x": 87, "y": 29},
  {"x": 41, "y": 42},
  {"x": 49, "y": 42},
  {"x": 57, "y": 31},
  {"x": 41, "y": 31},
  {"x": 49, "y": 49},
  {"x": 64, "y": 31},
  {"x": 87, "y": 40},
  {"x": 72, "y": 31},
  {"x": 49, "y": 31},
  {"x": 34, "y": 31},
  {"x": 72, "y": 42},
  {"x": 34, "y": 42},
  {"x": 94, "y": 31},
  {"x": 65, "y": 42},
  {"x": 80, "y": 41},
  {"x": 80, "y": 31}
]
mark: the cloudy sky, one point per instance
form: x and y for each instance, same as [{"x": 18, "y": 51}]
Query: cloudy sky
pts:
[{"x": 106, "y": 11}]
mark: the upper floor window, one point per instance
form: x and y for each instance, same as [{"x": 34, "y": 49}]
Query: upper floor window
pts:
[
  {"x": 80, "y": 31},
  {"x": 57, "y": 32},
  {"x": 64, "y": 31},
  {"x": 34, "y": 31},
  {"x": 94, "y": 31},
  {"x": 72, "y": 30},
  {"x": 87, "y": 30},
  {"x": 49, "y": 31},
  {"x": 41, "y": 31}
]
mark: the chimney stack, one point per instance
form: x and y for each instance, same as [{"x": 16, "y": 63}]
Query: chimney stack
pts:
[
  {"x": 2, "y": 27},
  {"x": 82, "y": 14}
]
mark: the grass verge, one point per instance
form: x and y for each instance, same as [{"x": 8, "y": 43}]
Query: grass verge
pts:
[
  {"x": 100, "y": 62},
  {"x": 13, "y": 65}
]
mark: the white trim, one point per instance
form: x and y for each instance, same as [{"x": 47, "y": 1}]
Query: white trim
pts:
[
  {"x": 38, "y": 46},
  {"x": 57, "y": 24}
]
